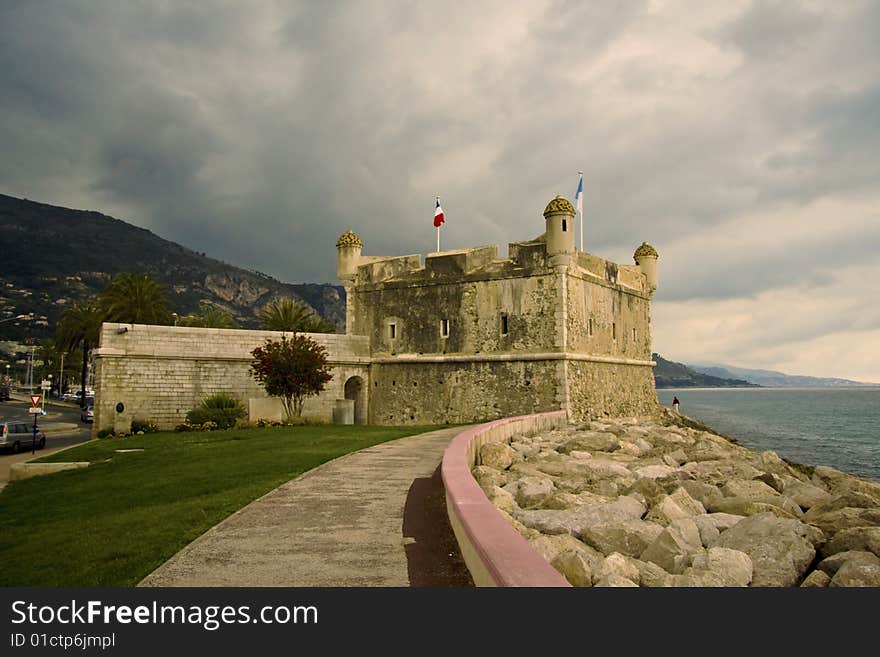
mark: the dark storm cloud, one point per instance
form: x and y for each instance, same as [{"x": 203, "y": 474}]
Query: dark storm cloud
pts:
[{"x": 258, "y": 132}]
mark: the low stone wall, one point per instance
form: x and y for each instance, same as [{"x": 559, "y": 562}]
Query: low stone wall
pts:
[
  {"x": 161, "y": 372},
  {"x": 494, "y": 552}
]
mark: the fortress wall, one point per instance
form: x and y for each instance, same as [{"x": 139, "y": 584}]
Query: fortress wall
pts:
[
  {"x": 161, "y": 372},
  {"x": 473, "y": 308},
  {"x": 606, "y": 303},
  {"x": 456, "y": 392},
  {"x": 598, "y": 389}
]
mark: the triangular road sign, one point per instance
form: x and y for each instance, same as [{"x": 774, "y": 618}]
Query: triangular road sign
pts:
[{"x": 35, "y": 400}]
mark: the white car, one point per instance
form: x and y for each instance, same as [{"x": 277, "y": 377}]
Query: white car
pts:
[{"x": 74, "y": 396}]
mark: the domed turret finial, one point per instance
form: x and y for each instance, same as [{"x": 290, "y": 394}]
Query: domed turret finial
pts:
[
  {"x": 645, "y": 250},
  {"x": 349, "y": 238},
  {"x": 559, "y": 205}
]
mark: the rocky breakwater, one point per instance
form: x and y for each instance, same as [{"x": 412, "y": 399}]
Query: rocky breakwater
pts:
[{"x": 628, "y": 503}]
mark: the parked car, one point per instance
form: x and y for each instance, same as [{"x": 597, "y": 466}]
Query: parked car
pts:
[
  {"x": 88, "y": 413},
  {"x": 19, "y": 436},
  {"x": 75, "y": 396}
]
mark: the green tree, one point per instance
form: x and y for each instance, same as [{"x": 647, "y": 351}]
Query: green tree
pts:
[
  {"x": 80, "y": 328},
  {"x": 294, "y": 316},
  {"x": 49, "y": 357},
  {"x": 292, "y": 369},
  {"x": 134, "y": 299},
  {"x": 209, "y": 316}
]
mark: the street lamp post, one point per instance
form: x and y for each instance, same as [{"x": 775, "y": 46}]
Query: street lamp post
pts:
[{"x": 31, "y": 368}]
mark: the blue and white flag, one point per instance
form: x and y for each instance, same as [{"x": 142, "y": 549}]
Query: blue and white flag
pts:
[{"x": 579, "y": 196}]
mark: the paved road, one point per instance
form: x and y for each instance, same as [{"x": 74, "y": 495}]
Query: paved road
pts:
[{"x": 61, "y": 424}]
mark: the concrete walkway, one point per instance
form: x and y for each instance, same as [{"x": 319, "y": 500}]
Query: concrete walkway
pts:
[{"x": 340, "y": 524}]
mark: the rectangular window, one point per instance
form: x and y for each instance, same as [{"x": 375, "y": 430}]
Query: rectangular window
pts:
[
  {"x": 590, "y": 327},
  {"x": 634, "y": 335},
  {"x": 564, "y": 226},
  {"x": 444, "y": 328},
  {"x": 392, "y": 330},
  {"x": 613, "y": 330},
  {"x": 504, "y": 324}
]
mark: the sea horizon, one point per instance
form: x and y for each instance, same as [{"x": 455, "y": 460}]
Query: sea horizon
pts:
[{"x": 839, "y": 430}]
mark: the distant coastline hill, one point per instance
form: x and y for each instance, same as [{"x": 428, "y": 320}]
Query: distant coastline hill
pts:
[
  {"x": 54, "y": 257},
  {"x": 772, "y": 379},
  {"x": 669, "y": 374}
]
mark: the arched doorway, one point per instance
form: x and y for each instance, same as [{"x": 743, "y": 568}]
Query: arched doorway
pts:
[{"x": 356, "y": 390}]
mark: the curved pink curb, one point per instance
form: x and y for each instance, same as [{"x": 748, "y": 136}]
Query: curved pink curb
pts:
[{"x": 494, "y": 551}]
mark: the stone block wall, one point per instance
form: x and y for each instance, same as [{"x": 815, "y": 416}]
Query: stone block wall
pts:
[
  {"x": 473, "y": 309},
  {"x": 601, "y": 389},
  {"x": 615, "y": 311},
  {"x": 425, "y": 392},
  {"x": 161, "y": 372}
]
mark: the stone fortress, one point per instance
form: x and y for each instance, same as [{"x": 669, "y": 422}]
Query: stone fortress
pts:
[{"x": 467, "y": 336}]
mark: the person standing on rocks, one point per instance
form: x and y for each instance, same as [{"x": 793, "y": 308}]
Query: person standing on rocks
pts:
[{"x": 675, "y": 404}]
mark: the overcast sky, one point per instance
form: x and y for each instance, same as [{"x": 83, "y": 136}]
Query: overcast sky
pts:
[{"x": 742, "y": 139}]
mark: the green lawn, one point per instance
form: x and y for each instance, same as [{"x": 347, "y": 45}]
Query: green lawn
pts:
[{"x": 114, "y": 522}]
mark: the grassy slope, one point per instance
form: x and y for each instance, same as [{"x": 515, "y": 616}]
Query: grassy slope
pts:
[{"x": 114, "y": 522}]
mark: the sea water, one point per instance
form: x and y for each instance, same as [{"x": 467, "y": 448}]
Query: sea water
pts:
[{"x": 839, "y": 427}]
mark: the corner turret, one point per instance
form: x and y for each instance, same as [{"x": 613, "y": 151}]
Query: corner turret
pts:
[
  {"x": 559, "y": 215},
  {"x": 646, "y": 258},
  {"x": 348, "y": 256}
]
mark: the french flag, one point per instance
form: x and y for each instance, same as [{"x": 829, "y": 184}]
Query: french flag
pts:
[{"x": 439, "y": 217}]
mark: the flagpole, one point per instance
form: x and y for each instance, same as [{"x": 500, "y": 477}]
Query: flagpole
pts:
[
  {"x": 581, "y": 204},
  {"x": 438, "y": 230}
]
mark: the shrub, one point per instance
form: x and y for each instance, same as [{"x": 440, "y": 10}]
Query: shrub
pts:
[
  {"x": 209, "y": 426},
  {"x": 143, "y": 426},
  {"x": 106, "y": 433},
  {"x": 292, "y": 369},
  {"x": 220, "y": 408},
  {"x": 183, "y": 427}
]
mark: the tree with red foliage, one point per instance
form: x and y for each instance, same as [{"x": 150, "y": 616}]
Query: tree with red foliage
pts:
[{"x": 291, "y": 368}]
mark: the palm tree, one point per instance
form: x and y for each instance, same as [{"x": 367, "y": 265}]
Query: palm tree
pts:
[
  {"x": 289, "y": 315},
  {"x": 209, "y": 316},
  {"x": 80, "y": 327},
  {"x": 134, "y": 299}
]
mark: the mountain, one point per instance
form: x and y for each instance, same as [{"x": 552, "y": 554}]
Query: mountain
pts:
[
  {"x": 669, "y": 374},
  {"x": 53, "y": 257},
  {"x": 773, "y": 379}
]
